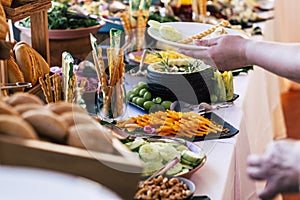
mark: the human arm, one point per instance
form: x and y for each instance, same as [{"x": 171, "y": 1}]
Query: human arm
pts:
[
  {"x": 279, "y": 166},
  {"x": 230, "y": 52}
]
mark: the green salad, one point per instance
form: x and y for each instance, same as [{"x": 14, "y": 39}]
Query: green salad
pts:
[
  {"x": 184, "y": 65},
  {"x": 59, "y": 17}
]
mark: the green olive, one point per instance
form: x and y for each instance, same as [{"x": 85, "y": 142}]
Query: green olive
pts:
[
  {"x": 140, "y": 101},
  {"x": 141, "y": 83},
  {"x": 134, "y": 99},
  {"x": 142, "y": 92},
  {"x": 148, "y": 104},
  {"x": 136, "y": 91},
  {"x": 166, "y": 104},
  {"x": 147, "y": 96},
  {"x": 131, "y": 96},
  {"x": 157, "y": 100},
  {"x": 129, "y": 93}
]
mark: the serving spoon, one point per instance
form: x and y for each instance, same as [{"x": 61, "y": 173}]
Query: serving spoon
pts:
[
  {"x": 8, "y": 86},
  {"x": 202, "y": 108},
  {"x": 165, "y": 168},
  {"x": 140, "y": 72}
]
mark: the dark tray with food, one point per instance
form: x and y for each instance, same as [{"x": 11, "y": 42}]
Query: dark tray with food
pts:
[{"x": 188, "y": 125}]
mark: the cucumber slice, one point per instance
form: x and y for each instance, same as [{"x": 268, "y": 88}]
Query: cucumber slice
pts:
[
  {"x": 149, "y": 153},
  {"x": 151, "y": 167},
  {"x": 136, "y": 143},
  {"x": 184, "y": 166},
  {"x": 183, "y": 171},
  {"x": 158, "y": 145},
  {"x": 169, "y": 152},
  {"x": 192, "y": 157},
  {"x": 186, "y": 162},
  {"x": 175, "y": 169},
  {"x": 180, "y": 147}
]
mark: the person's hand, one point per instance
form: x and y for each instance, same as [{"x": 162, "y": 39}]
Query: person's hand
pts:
[
  {"x": 280, "y": 166},
  {"x": 225, "y": 52}
]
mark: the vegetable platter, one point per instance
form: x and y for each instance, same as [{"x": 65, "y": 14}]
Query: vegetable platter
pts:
[{"x": 157, "y": 151}]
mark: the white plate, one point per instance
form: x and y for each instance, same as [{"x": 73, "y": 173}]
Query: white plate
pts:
[
  {"x": 36, "y": 184},
  {"x": 188, "y": 29}
]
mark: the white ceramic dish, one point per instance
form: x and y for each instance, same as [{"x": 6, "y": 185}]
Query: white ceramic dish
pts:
[
  {"x": 188, "y": 29},
  {"x": 36, "y": 184}
]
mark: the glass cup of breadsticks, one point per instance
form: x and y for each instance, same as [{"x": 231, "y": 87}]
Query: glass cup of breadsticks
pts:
[
  {"x": 199, "y": 8},
  {"x": 112, "y": 102},
  {"x": 134, "y": 22}
]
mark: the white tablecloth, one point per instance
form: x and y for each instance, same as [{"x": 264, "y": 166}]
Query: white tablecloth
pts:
[{"x": 256, "y": 114}]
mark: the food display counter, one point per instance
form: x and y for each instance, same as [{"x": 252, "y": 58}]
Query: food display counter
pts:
[{"x": 256, "y": 113}]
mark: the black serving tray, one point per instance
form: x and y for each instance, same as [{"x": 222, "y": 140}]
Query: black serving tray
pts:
[
  {"x": 232, "y": 131},
  {"x": 218, "y": 120}
]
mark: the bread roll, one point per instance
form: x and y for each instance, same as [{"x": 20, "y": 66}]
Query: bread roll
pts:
[
  {"x": 46, "y": 124},
  {"x": 7, "y": 109},
  {"x": 21, "y": 108},
  {"x": 31, "y": 62},
  {"x": 42, "y": 64},
  {"x": 2, "y": 13},
  {"x": 36, "y": 66},
  {"x": 26, "y": 62},
  {"x": 75, "y": 118},
  {"x": 62, "y": 107},
  {"x": 23, "y": 98},
  {"x": 3, "y": 28},
  {"x": 90, "y": 137},
  {"x": 14, "y": 73},
  {"x": 16, "y": 126}
]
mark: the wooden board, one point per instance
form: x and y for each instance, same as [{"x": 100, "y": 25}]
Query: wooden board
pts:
[
  {"x": 37, "y": 10},
  {"x": 120, "y": 173},
  {"x": 21, "y": 12}
]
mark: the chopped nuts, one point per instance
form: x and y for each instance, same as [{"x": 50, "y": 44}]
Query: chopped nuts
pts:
[{"x": 162, "y": 188}]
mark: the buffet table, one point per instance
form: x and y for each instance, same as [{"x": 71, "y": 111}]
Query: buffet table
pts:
[{"x": 256, "y": 113}]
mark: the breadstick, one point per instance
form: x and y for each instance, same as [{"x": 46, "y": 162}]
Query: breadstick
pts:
[
  {"x": 82, "y": 82},
  {"x": 112, "y": 54},
  {"x": 48, "y": 83},
  {"x": 120, "y": 91},
  {"x": 45, "y": 89},
  {"x": 57, "y": 87},
  {"x": 195, "y": 9},
  {"x": 126, "y": 23},
  {"x": 112, "y": 80},
  {"x": 140, "y": 30},
  {"x": 202, "y": 8},
  {"x": 102, "y": 69},
  {"x": 204, "y": 33}
]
